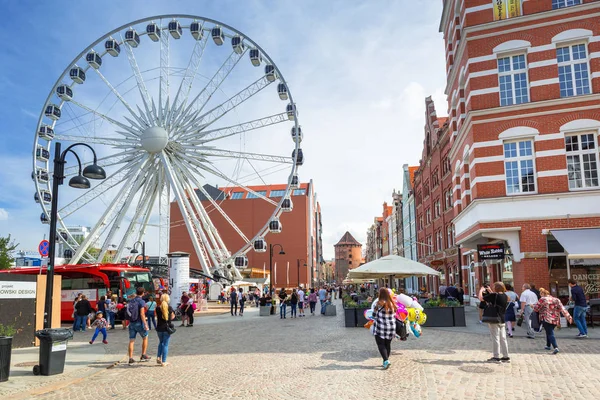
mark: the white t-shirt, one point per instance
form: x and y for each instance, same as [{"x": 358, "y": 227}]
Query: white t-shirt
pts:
[
  {"x": 240, "y": 296},
  {"x": 301, "y": 296},
  {"x": 529, "y": 298}
]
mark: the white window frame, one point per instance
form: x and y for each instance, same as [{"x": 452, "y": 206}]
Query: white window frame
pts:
[
  {"x": 233, "y": 195},
  {"x": 580, "y": 154},
  {"x": 565, "y": 4},
  {"x": 518, "y": 159},
  {"x": 251, "y": 195},
  {"x": 572, "y": 63},
  {"x": 512, "y": 73},
  {"x": 277, "y": 193}
]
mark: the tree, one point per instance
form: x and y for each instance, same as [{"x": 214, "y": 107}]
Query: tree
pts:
[{"x": 7, "y": 246}]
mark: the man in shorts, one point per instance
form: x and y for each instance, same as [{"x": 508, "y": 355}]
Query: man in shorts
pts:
[
  {"x": 137, "y": 324},
  {"x": 301, "y": 300}
]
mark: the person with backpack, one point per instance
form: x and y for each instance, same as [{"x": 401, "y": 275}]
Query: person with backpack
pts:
[
  {"x": 242, "y": 299},
  {"x": 496, "y": 302},
  {"x": 233, "y": 301},
  {"x": 136, "y": 315},
  {"x": 165, "y": 315},
  {"x": 294, "y": 304},
  {"x": 282, "y": 303}
]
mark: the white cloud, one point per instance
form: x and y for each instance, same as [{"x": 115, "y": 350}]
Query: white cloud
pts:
[{"x": 3, "y": 214}]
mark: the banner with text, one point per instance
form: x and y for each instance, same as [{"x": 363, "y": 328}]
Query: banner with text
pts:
[{"x": 491, "y": 251}]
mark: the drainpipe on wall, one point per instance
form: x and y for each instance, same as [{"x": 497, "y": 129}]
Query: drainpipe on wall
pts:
[{"x": 460, "y": 270}]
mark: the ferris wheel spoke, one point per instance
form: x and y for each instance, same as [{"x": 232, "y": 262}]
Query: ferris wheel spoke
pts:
[
  {"x": 163, "y": 95},
  {"x": 199, "y": 122},
  {"x": 141, "y": 123},
  {"x": 208, "y": 152},
  {"x": 98, "y": 140},
  {"x": 189, "y": 76},
  {"x": 133, "y": 132},
  {"x": 109, "y": 213},
  {"x": 147, "y": 195},
  {"x": 199, "y": 102},
  {"x": 93, "y": 193},
  {"x": 196, "y": 234},
  {"x": 205, "y": 167},
  {"x": 107, "y": 161},
  {"x": 221, "y": 133},
  {"x": 164, "y": 207},
  {"x": 140, "y": 83}
]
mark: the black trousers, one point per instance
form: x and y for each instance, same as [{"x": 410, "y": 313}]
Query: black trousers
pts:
[
  {"x": 190, "y": 314},
  {"x": 234, "y": 306},
  {"x": 384, "y": 346}
]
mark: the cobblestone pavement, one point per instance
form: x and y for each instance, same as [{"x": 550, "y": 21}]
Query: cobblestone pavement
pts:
[{"x": 254, "y": 357}]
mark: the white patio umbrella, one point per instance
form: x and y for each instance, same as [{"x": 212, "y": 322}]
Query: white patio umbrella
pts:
[
  {"x": 243, "y": 283},
  {"x": 391, "y": 265}
]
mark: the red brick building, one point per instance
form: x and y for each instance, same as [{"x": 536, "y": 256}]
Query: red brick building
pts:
[
  {"x": 300, "y": 236},
  {"x": 523, "y": 87},
  {"x": 348, "y": 255},
  {"x": 433, "y": 202}
]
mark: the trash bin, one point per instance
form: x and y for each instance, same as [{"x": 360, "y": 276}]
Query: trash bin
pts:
[
  {"x": 5, "y": 350},
  {"x": 53, "y": 350}
]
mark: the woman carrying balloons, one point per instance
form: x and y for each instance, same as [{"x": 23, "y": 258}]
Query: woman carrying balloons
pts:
[{"x": 384, "y": 326}]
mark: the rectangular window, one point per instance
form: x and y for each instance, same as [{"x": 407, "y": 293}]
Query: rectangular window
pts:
[
  {"x": 437, "y": 208},
  {"x": 518, "y": 167},
  {"x": 277, "y": 193},
  {"x": 564, "y": 3},
  {"x": 237, "y": 195},
  {"x": 582, "y": 160},
  {"x": 449, "y": 236},
  {"x": 300, "y": 192},
  {"x": 512, "y": 79},
  {"x": 573, "y": 71},
  {"x": 428, "y": 216},
  {"x": 253, "y": 196}
]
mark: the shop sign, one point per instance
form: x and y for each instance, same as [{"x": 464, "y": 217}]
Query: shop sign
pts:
[
  {"x": 17, "y": 290},
  {"x": 491, "y": 251},
  {"x": 504, "y": 9},
  {"x": 436, "y": 263},
  {"x": 590, "y": 283}
]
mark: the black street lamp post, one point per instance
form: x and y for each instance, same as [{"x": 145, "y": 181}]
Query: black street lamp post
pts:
[
  {"x": 281, "y": 252},
  {"x": 135, "y": 251},
  {"x": 299, "y": 270},
  {"x": 79, "y": 181}
]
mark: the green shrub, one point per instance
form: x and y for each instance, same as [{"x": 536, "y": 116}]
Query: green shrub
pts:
[
  {"x": 350, "y": 304},
  {"x": 7, "y": 330},
  {"x": 438, "y": 302}
]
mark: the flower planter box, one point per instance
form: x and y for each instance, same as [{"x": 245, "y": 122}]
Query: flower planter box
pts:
[
  {"x": 264, "y": 311},
  {"x": 360, "y": 317},
  {"x": 439, "y": 317},
  {"x": 5, "y": 352},
  {"x": 350, "y": 317},
  {"x": 459, "y": 316}
]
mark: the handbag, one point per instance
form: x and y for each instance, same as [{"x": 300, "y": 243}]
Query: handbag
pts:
[
  {"x": 171, "y": 328},
  {"x": 401, "y": 330},
  {"x": 490, "y": 313}
]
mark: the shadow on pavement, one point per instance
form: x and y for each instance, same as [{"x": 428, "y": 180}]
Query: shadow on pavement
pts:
[{"x": 338, "y": 367}]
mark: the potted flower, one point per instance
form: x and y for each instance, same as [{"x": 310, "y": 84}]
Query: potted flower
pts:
[
  {"x": 360, "y": 313},
  {"x": 6, "y": 335},
  {"x": 443, "y": 313}
]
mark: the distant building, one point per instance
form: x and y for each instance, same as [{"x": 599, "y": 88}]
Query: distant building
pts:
[
  {"x": 396, "y": 241},
  {"x": 374, "y": 240},
  {"x": 409, "y": 223},
  {"x": 79, "y": 233},
  {"x": 386, "y": 233},
  {"x": 348, "y": 255}
]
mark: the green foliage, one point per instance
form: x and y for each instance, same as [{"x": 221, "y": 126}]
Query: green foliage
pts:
[
  {"x": 7, "y": 246},
  {"x": 350, "y": 304},
  {"x": 7, "y": 330},
  {"x": 364, "y": 304},
  {"x": 438, "y": 302}
]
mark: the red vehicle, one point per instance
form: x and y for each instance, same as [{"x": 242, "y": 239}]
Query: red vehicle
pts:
[{"x": 93, "y": 280}]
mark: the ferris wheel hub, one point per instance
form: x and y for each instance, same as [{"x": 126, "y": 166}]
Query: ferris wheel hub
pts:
[{"x": 154, "y": 139}]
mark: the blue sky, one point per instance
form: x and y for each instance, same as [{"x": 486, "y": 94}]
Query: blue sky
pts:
[{"x": 359, "y": 72}]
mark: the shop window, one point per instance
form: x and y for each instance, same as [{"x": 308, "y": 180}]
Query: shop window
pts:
[
  {"x": 582, "y": 160},
  {"x": 518, "y": 167},
  {"x": 573, "y": 70},
  {"x": 564, "y": 3}
]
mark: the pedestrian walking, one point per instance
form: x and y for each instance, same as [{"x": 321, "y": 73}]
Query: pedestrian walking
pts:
[
  {"x": 242, "y": 300},
  {"x": 183, "y": 307},
  {"x": 101, "y": 305},
  {"x": 322, "y": 298},
  {"x": 301, "y": 300},
  {"x": 74, "y": 315},
  {"x": 528, "y": 301},
  {"x": 579, "y": 312},
  {"x": 257, "y": 296},
  {"x": 233, "y": 301},
  {"x": 122, "y": 313},
  {"x": 384, "y": 325},
  {"x": 190, "y": 308},
  {"x": 164, "y": 316},
  {"x": 312, "y": 300},
  {"x": 150, "y": 312},
  {"x": 282, "y": 303},
  {"x": 485, "y": 289},
  {"x": 340, "y": 292},
  {"x": 510, "y": 316},
  {"x": 550, "y": 308},
  {"x": 111, "y": 308},
  {"x": 100, "y": 324},
  {"x": 294, "y": 304},
  {"x": 494, "y": 313},
  {"x": 138, "y": 325},
  {"x": 83, "y": 308}
]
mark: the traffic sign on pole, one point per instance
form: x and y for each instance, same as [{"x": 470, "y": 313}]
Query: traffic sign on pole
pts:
[{"x": 44, "y": 248}]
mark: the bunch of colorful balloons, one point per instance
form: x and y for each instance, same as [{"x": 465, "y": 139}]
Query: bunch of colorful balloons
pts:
[{"x": 409, "y": 311}]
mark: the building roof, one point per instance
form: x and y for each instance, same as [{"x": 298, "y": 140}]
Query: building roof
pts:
[
  {"x": 411, "y": 173},
  {"x": 442, "y": 121},
  {"x": 222, "y": 193},
  {"x": 348, "y": 239}
]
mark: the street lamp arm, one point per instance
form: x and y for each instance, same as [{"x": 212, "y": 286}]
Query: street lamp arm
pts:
[
  {"x": 62, "y": 159},
  {"x": 79, "y": 144}
]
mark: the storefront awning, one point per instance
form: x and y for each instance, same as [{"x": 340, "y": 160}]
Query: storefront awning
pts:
[{"x": 579, "y": 243}]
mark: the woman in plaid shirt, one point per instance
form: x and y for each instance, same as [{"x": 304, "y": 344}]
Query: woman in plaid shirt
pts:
[
  {"x": 384, "y": 326},
  {"x": 550, "y": 309}
]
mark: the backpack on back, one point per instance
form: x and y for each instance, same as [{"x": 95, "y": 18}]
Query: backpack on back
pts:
[{"x": 133, "y": 310}]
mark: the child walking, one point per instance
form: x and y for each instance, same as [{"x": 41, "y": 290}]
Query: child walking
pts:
[{"x": 100, "y": 323}]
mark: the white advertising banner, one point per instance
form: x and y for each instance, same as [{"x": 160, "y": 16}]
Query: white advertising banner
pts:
[
  {"x": 179, "y": 276},
  {"x": 70, "y": 295},
  {"x": 17, "y": 290}
]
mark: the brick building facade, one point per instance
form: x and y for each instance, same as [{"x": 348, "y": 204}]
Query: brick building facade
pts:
[
  {"x": 433, "y": 203},
  {"x": 348, "y": 255},
  {"x": 523, "y": 88}
]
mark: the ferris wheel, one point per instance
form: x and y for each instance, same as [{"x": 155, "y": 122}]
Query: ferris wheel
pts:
[{"x": 169, "y": 103}]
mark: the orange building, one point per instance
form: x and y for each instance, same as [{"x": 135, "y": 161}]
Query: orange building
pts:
[
  {"x": 348, "y": 255},
  {"x": 300, "y": 236}
]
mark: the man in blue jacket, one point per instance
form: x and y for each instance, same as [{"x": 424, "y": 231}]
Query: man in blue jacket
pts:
[{"x": 579, "y": 312}]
